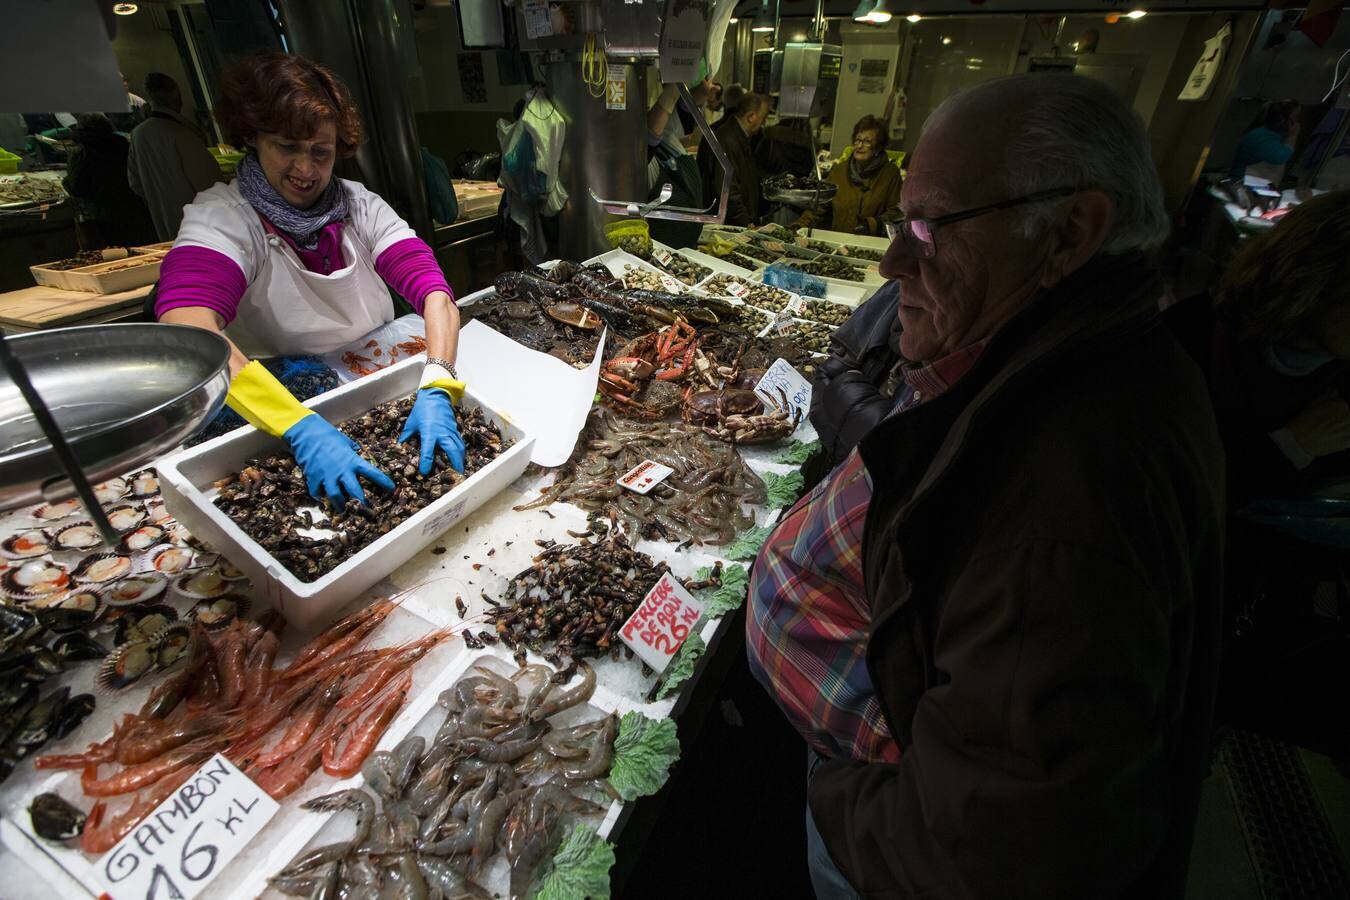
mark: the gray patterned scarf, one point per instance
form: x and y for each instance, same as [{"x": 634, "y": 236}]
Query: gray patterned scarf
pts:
[{"x": 303, "y": 225}]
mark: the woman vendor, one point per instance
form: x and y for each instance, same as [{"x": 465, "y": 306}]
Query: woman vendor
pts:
[
  {"x": 288, "y": 260},
  {"x": 869, "y": 186}
]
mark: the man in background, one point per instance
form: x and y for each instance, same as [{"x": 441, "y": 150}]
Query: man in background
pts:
[
  {"x": 734, "y": 134},
  {"x": 168, "y": 164}
]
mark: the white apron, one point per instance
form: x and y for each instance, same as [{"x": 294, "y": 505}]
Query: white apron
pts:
[{"x": 291, "y": 311}]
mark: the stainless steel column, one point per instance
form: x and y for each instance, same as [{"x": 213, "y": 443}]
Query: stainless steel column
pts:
[
  {"x": 365, "y": 42},
  {"x": 605, "y": 149}
]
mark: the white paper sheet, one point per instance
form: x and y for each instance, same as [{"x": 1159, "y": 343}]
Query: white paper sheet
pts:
[{"x": 541, "y": 393}]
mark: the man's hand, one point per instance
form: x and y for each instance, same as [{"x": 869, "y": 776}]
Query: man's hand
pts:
[{"x": 1323, "y": 426}]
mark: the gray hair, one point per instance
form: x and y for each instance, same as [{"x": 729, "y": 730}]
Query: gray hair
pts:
[{"x": 1070, "y": 130}]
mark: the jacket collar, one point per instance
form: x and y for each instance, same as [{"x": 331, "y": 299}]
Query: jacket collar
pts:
[{"x": 1109, "y": 298}]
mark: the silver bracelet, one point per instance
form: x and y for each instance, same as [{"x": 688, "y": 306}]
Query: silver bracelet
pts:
[{"x": 445, "y": 364}]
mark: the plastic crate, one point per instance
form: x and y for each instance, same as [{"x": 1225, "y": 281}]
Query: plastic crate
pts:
[{"x": 9, "y": 163}]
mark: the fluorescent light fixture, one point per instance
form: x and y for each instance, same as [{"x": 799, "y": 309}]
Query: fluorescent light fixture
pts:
[
  {"x": 764, "y": 20},
  {"x": 733, "y": 20},
  {"x": 1136, "y": 14},
  {"x": 913, "y": 18},
  {"x": 124, "y": 9}
]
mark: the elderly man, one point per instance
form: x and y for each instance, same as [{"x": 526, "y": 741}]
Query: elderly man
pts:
[
  {"x": 169, "y": 164},
  {"x": 996, "y": 622},
  {"x": 734, "y": 134}
]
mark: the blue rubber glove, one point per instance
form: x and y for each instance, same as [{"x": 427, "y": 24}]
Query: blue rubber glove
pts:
[
  {"x": 331, "y": 462},
  {"x": 433, "y": 421}
]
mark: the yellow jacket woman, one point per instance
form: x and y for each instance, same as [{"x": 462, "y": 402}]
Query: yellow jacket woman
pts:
[{"x": 869, "y": 186}]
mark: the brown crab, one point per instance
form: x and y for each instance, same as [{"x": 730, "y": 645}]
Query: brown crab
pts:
[{"x": 738, "y": 416}]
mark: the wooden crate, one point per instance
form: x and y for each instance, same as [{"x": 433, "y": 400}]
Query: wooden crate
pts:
[{"x": 112, "y": 277}]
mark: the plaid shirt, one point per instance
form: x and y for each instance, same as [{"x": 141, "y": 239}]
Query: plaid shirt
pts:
[{"x": 809, "y": 621}]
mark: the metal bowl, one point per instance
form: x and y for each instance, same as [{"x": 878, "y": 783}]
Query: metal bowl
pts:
[
  {"x": 800, "y": 197},
  {"x": 122, "y": 395}
]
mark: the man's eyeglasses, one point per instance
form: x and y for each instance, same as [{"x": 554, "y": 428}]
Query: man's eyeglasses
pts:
[{"x": 919, "y": 233}]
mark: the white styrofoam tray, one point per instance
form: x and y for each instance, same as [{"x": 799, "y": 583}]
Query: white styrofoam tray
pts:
[{"x": 187, "y": 480}]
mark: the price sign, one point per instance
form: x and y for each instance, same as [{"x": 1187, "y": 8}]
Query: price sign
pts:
[
  {"x": 737, "y": 289},
  {"x": 645, "y": 476},
  {"x": 660, "y": 624},
  {"x": 670, "y": 284},
  {"x": 190, "y": 838},
  {"x": 661, "y": 256},
  {"x": 780, "y": 381},
  {"x": 796, "y": 305},
  {"x": 783, "y": 322}
]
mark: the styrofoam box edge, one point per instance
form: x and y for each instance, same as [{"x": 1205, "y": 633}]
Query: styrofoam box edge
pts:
[{"x": 188, "y": 476}]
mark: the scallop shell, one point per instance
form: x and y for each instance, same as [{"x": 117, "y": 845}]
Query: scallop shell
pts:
[
  {"x": 77, "y": 536},
  {"x": 25, "y": 544},
  {"x": 126, "y": 665},
  {"x": 35, "y": 578},
  {"x": 52, "y": 512},
  {"x": 112, "y": 490},
  {"x": 126, "y": 517},
  {"x": 204, "y": 585},
  {"x": 145, "y": 483},
  {"x": 171, "y": 644},
  {"x": 220, "y": 612},
  {"x": 172, "y": 560},
  {"x": 144, "y": 622},
  {"x": 142, "y": 538},
  {"x": 101, "y": 568},
  {"x": 135, "y": 589},
  {"x": 228, "y": 571}
]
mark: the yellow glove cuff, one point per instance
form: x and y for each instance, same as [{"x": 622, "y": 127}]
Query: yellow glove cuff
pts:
[
  {"x": 263, "y": 401},
  {"x": 452, "y": 387}
]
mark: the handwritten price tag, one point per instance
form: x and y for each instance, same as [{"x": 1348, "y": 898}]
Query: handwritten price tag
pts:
[
  {"x": 190, "y": 838},
  {"x": 644, "y": 476},
  {"x": 783, "y": 322},
  {"x": 737, "y": 289},
  {"x": 796, "y": 305},
  {"x": 660, "y": 624},
  {"x": 671, "y": 285},
  {"x": 661, "y": 256},
  {"x": 781, "y": 380}
]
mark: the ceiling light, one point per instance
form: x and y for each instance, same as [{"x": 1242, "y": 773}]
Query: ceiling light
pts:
[
  {"x": 864, "y": 10},
  {"x": 1136, "y": 14},
  {"x": 764, "y": 20},
  {"x": 880, "y": 14},
  {"x": 733, "y": 20},
  {"x": 124, "y": 9},
  {"x": 946, "y": 41},
  {"x": 913, "y": 18}
]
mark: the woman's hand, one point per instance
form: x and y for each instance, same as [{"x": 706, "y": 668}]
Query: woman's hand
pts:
[
  {"x": 432, "y": 420},
  {"x": 1323, "y": 426},
  {"x": 330, "y": 461}
]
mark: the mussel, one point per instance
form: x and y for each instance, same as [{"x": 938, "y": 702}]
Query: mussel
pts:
[
  {"x": 73, "y": 712},
  {"x": 78, "y": 646},
  {"x": 36, "y": 727},
  {"x": 54, "y": 818}
]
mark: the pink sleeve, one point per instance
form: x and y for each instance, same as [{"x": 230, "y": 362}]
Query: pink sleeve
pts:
[
  {"x": 410, "y": 268},
  {"x": 198, "y": 276}
]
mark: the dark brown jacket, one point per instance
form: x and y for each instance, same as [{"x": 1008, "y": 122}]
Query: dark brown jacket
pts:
[
  {"x": 1042, "y": 557},
  {"x": 743, "y": 197},
  {"x": 863, "y": 206}
]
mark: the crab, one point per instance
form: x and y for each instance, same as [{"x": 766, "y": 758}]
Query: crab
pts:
[
  {"x": 660, "y": 356},
  {"x": 738, "y": 416}
]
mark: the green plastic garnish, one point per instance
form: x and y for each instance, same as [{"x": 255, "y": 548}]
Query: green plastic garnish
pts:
[
  {"x": 580, "y": 868},
  {"x": 784, "y": 489},
  {"x": 682, "y": 666},
  {"x": 796, "y": 452},
  {"x": 747, "y": 543},
  {"x": 731, "y": 593},
  {"x": 643, "y": 752}
]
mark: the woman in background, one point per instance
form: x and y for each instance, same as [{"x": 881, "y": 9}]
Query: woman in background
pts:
[{"x": 868, "y": 183}]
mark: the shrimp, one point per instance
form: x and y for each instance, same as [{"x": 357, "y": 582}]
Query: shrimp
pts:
[
  {"x": 357, "y": 801},
  {"x": 230, "y": 663},
  {"x": 206, "y": 690},
  {"x": 99, "y": 836},
  {"x": 367, "y": 734},
  {"x": 401, "y": 659},
  {"x": 143, "y": 746},
  {"x": 283, "y": 780},
  {"x": 336, "y": 639},
  {"x": 277, "y": 710},
  {"x": 133, "y": 778},
  {"x": 258, "y": 667},
  {"x": 303, "y": 725},
  {"x": 551, "y": 705}
]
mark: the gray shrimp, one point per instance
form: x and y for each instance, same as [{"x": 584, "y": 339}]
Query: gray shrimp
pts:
[
  {"x": 356, "y": 800},
  {"x": 451, "y": 884},
  {"x": 601, "y": 754},
  {"x": 567, "y": 699}
]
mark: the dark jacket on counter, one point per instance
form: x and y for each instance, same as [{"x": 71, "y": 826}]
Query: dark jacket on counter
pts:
[
  {"x": 743, "y": 200},
  {"x": 858, "y": 208},
  {"x": 1042, "y": 558},
  {"x": 847, "y": 396}
]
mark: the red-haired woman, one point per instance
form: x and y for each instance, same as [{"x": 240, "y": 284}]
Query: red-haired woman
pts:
[{"x": 288, "y": 260}]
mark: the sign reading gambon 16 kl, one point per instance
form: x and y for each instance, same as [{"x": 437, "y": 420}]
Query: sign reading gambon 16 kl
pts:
[{"x": 190, "y": 838}]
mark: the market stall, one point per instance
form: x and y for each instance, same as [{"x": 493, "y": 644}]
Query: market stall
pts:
[{"x": 480, "y": 676}]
